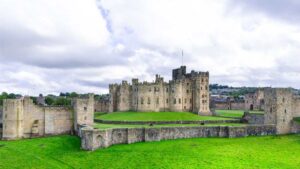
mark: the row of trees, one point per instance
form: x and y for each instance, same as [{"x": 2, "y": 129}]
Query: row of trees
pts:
[{"x": 5, "y": 95}]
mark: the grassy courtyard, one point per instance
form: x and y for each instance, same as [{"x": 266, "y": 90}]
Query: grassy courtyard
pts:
[
  {"x": 280, "y": 152},
  {"x": 109, "y": 126},
  {"x": 235, "y": 113},
  {"x": 155, "y": 116}
]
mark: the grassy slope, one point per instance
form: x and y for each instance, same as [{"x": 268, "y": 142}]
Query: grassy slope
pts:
[
  {"x": 107, "y": 126},
  {"x": 246, "y": 153},
  {"x": 155, "y": 116},
  {"x": 235, "y": 113}
]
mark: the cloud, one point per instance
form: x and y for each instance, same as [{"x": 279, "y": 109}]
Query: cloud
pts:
[
  {"x": 287, "y": 11},
  {"x": 74, "y": 45}
]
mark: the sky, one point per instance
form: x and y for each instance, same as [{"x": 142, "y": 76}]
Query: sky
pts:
[{"x": 84, "y": 45}]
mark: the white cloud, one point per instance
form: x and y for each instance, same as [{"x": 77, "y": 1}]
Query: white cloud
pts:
[{"x": 74, "y": 45}]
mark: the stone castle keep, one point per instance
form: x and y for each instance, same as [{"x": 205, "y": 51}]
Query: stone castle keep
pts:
[
  {"x": 22, "y": 118},
  {"x": 185, "y": 92}
]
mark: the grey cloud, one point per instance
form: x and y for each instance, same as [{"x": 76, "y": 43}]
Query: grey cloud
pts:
[{"x": 286, "y": 10}]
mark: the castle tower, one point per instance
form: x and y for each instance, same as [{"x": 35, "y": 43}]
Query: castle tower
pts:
[
  {"x": 83, "y": 111},
  {"x": 201, "y": 94},
  {"x": 13, "y": 116},
  {"x": 113, "y": 97},
  {"x": 278, "y": 109}
]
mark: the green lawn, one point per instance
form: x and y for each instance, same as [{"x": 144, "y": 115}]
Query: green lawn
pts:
[
  {"x": 108, "y": 126},
  {"x": 155, "y": 116},
  {"x": 235, "y": 113},
  {"x": 281, "y": 152}
]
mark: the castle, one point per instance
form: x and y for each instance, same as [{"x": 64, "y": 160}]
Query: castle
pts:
[
  {"x": 185, "y": 92},
  {"x": 21, "y": 118}
]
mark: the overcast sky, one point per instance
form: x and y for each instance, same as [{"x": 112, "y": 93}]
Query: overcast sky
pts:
[{"x": 52, "y": 46}]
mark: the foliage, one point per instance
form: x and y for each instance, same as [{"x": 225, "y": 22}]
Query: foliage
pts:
[
  {"x": 49, "y": 100},
  {"x": 217, "y": 86},
  {"x": 276, "y": 152},
  {"x": 5, "y": 95},
  {"x": 61, "y": 101}
]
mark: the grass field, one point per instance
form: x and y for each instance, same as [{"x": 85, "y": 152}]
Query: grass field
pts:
[
  {"x": 235, "y": 113},
  {"x": 280, "y": 152},
  {"x": 155, "y": 116},
  {"x": 108, "y": 126}
]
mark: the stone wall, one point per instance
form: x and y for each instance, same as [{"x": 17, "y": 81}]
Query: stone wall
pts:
[
  {"x": 295, "y": 127},
  {"x": 101, "y": 105},
  {"x": 24, "y": 119},
  {"x": 92, "y": 139},
  {"x": 252, "y": 118},
  {"x": 1, "y": 112},
  {"x": 255, "y": 101},
  {"x": 84, "y": 111},
  {"x": 281, "y": 106},
  {"x": 229, "y": 105}
]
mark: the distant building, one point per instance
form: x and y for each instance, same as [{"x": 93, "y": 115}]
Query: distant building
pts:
[
  {"x": 226, "y": 103},
  {"x": 41, "y": 100},
  {"x": 185, "y": 92}
]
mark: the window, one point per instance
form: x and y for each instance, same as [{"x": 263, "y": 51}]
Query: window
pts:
[
  {"x": 187, "y": 84},
  {"x": 206, "y": 88},
  {"x": 149, "y": 101},
  {"x": 202, "y": 80},
  {"x": 85, "y": 108},
  {"x": 150, "y": 89},
  {"x": 167, "y": 100},
  {"x": 174, "y": 101},
  {"x": 283, "y": 100},
  {"x": 157, "y": 101},
  {"x": 187, "y": 91},
  {"x": 179, "y": 101},
  {"x": 142, "y": 100},
  {"x": 84, "y": 117},
  {"x": 285, "y": 111},
  {"x": 167, "y": 90},
  {"x": 185, "y": 100}
]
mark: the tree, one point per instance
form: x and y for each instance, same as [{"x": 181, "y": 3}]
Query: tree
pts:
[
  {"x": 49, "y": 100},
  {"x": 73, "y": 95}
]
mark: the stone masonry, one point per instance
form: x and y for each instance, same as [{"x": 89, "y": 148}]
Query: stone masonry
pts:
[
  {"x": 92, "y": 139},
  {"x": 23, "y": 119},
  {"x": 185, "y": 92},
  {"x": 281, "y": 106}
]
